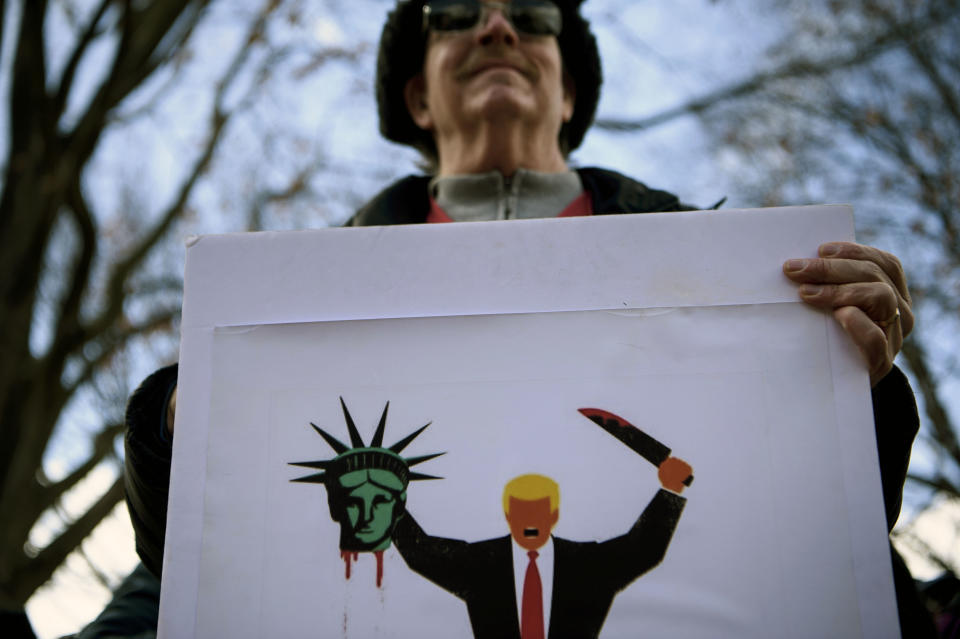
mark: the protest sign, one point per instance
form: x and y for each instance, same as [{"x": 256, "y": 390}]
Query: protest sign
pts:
[{"x": 584, "y": 351}]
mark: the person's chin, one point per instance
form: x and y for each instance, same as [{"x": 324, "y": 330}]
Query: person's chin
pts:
[
  {"x": 502, "y": 75},
  {"x": 500, "y": 102}
]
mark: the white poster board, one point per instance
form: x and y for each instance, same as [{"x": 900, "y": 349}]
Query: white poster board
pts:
[{"x": 496, "y": 334}]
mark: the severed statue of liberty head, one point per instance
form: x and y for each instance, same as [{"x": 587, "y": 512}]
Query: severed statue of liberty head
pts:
[{"x": 366, "y": 485}]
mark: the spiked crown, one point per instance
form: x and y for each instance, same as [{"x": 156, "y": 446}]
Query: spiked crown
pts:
[{"x": 359, "y": 456}]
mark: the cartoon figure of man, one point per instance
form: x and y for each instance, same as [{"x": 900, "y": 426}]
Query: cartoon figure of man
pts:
[{"x": 531, "y": 585}]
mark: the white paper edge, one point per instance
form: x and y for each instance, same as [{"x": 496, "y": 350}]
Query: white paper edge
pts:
[
  {"x": 248, "y": 282},
  {"x": 854, "y": 413},
  {"x": 179, "y": 586}
]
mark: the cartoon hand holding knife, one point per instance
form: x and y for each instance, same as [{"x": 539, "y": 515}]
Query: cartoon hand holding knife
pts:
[{"x": 674, "y": 473}]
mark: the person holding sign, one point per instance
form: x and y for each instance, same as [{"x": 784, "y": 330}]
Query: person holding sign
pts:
[{"x": 495, "y": 95}]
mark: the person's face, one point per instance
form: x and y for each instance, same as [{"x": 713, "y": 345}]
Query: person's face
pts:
[
  {"x": 370, "y": 510},
  {"x": 531, "y": 521},
  {"x": 491, "y": 72}
]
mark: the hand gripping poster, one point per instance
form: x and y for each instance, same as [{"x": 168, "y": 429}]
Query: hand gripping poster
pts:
[{"x": 548, "y": 429}]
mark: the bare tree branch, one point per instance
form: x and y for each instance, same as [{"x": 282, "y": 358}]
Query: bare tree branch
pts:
[
  {"x": 912, "y": 539},
  {"x": 25, "y": 214},
  {"x": 113, "y": 341},
  {"x": 149, "y": 287},
  {"x": 890, "y": 138},
  {"x": 137, "y": 56},
  {"x": 50, "y": 231},
  {"x": 125, "y": 268},
  {"x": 149, "y": 105},
  {"x": 879, "y": 128},
  {"x": 89, "y": 34},
  {"x": 218, "y": 120},
  {"x": 103, "y": 447},
  {"x": 921, "y": 55},
  {"x": 68, "y": 319},
  {"x": 794, "y": 69},
  {"x": 98, "y": 574},
  {"x": 27, "y": 143},
  {"x": 3, "y": 21},
  {"x": 297, "y": 185},
  {"x": 33, "y": 574},
  {"x": 939, "y": 484},
  {"x": 943, "y": 431}
]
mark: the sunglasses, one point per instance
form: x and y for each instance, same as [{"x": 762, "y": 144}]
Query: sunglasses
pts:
[{"x": 532, "y": 17}]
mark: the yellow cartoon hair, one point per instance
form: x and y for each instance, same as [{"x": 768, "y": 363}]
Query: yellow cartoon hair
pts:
[{"x": 531, "y": 487}]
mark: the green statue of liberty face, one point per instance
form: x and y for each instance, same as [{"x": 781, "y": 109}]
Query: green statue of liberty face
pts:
[
  {"x": 366, "y": 485},
  {"x": 373, "y": 500}
]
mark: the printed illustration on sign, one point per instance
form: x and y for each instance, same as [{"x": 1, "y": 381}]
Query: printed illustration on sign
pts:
[
  {"x": 529, "y": 581},
  {"x": 366, "y": 487}
]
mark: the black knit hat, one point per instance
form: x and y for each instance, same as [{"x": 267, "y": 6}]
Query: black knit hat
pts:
[{"x": 402, "y": 49}]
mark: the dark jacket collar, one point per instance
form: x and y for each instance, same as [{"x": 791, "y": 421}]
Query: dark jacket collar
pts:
[{"x": 407, "y": 201}]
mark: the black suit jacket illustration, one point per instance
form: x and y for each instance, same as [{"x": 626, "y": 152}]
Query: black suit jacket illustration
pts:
[{"x": 586, "y": 575}]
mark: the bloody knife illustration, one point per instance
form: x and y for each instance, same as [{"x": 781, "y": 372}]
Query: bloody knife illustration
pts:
[{"x": 637, "y": 440}]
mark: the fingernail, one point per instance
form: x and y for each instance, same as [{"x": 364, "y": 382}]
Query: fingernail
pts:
[
  {"x": 796, "y": 265},
  {"x": 810, "y": 290},
  {"x": 828, "y": 250}
]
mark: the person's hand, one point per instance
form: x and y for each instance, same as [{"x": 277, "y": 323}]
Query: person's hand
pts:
[
  {"x": 867, "y": 292},
  {"x": 672, "y": 472},
  {"x": 171, "y": 411}
]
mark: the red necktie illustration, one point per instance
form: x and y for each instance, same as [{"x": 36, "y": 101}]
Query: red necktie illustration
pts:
[{"x": 531, "y": 611}]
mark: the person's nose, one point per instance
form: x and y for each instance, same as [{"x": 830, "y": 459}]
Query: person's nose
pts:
[{"x": 495, "y": 27}]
